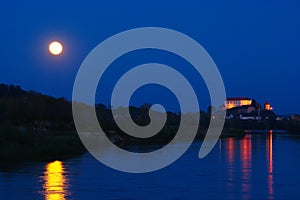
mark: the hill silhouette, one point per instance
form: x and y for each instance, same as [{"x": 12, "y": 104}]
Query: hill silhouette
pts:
[
  {"x": 34, "y": 126},
  {"x": 20, "y": 106}
]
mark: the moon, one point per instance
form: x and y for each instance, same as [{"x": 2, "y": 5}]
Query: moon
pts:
[{"x": 55, "y": 48}]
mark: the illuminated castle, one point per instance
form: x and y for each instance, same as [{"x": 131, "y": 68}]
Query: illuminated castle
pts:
[
  {"x": 233, "y": 102},
  {"x": 244, "y": 108}
]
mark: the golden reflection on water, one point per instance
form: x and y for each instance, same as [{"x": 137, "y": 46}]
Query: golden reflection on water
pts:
[
  {"x": 270, "y": 164},
  {"x": 230, "y": 150},
  {"x": 55, "y": 182},
  {"x": 245, "y": 149},
  {"x": 230, "y": 158},
  {"x": 246, "y": 165}
]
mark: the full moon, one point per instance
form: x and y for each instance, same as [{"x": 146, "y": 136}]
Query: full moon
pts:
[{"x": 55, "y": 48}]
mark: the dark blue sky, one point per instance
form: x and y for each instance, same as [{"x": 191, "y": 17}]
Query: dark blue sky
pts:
[{"x": 255, "y": 44}]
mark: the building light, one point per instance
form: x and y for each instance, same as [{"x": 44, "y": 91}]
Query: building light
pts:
[
  {"x": 237, "y": 102},
  {"x": 268, "y": 106}
]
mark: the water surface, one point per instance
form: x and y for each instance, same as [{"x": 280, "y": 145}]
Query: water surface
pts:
[{"x": 259, "y": 166}]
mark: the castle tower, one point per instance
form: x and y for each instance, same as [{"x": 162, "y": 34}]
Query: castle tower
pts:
[{"x": 268, "y": 106}]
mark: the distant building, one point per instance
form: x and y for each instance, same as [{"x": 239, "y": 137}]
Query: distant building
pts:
[
  {"x": 233, "y": 102},
  {"x": 268, "y": 106},
  {"x": 295, "y": 117},
  {"x": 244, "y": 108}
]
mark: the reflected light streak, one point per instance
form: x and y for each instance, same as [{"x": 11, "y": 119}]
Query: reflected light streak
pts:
[
  {"x": 230, "y": 157},
  {"x": 246, "y": 159},
  {"x": 270, "y": 158},
  {"x": 230, "y": 150},
  {"x": 271, "y": 152},
  {"x": 55, "y": 182},
  {"x": 246, "y": 152}
]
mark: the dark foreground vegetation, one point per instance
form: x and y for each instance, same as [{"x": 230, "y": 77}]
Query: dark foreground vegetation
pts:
[
  {"x": 19, "y": 144},
  {"x": 34, "y": 126}
]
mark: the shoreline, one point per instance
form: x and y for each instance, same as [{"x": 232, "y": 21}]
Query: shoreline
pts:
[{"x": 23, "y": 145}]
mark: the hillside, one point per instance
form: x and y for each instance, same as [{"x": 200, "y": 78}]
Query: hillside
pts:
[{"x": 34, "y": 126}]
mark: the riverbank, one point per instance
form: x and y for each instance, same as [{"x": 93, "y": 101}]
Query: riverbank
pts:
[
  {"x": 18, "y": 145},
  {"x": 26, "y": 145}
]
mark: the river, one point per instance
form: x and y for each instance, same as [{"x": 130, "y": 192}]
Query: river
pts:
[{"x": 258, "y": 166}]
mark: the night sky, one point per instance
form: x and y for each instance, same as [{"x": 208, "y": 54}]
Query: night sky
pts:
[{"x": 255, "y": 44}]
